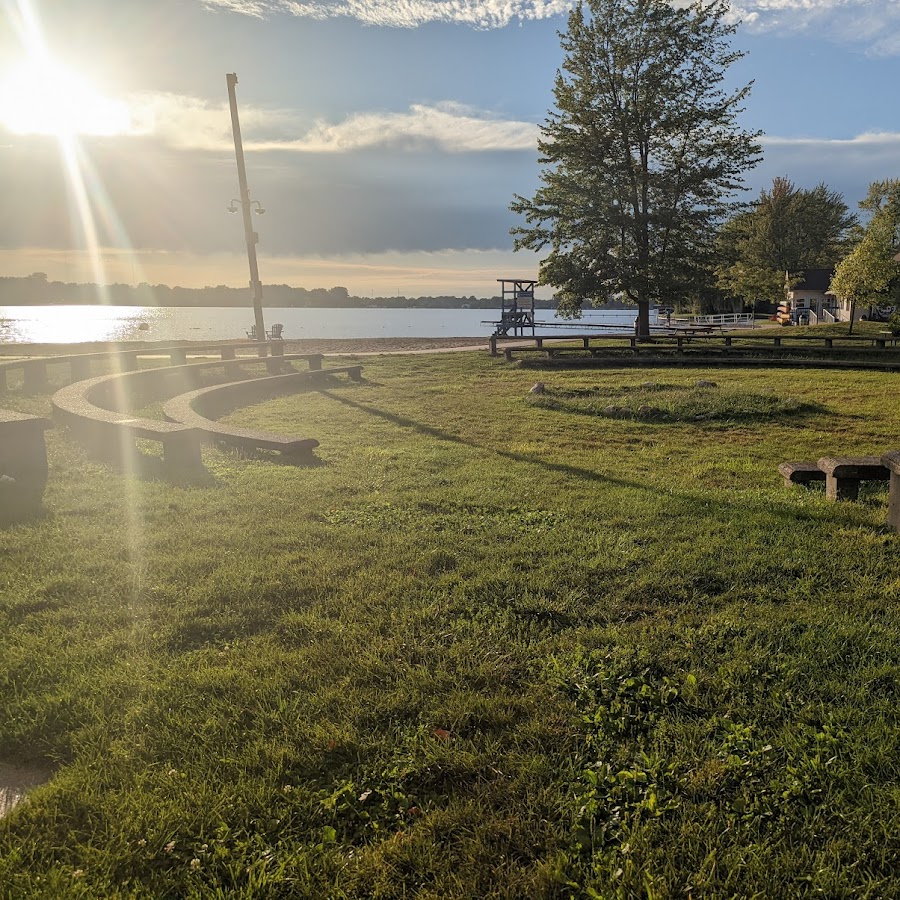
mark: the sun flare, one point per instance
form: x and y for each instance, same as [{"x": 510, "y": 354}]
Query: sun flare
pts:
[{"x": 46, "y": 97}]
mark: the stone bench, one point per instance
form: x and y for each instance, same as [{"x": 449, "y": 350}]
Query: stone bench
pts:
[
  {"x": 109, "y": 431},
  {"x": 891, "y": 461},
  {"x": 843, "y": 474},
  {"x": 96, "y": 409},
  {"x": 23, "y": 464},
  {"x": 199, "y": 408},
  {"x": 35, "y": 370},
  {"x": 800, "y": 473}
]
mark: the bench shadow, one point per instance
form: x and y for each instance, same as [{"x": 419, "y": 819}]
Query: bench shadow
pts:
[
  {"x": 148, "y": 467},
  {"x": 297, "y": 461},
  {"x": 9, "y": 520}
]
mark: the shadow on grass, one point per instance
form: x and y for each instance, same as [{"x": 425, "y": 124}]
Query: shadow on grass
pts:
[
  {"x": 441, "y": 435},
  {"x": 12, "y": 518},
  {"x": 307, "y": 460},
  {"x": 788, "y": 513}
]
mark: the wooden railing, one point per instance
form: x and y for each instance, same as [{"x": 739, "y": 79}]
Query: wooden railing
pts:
[{"x": 739, "y": 319}]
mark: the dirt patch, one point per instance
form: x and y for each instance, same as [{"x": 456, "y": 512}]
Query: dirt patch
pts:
[{"x": 16, "y": 781}]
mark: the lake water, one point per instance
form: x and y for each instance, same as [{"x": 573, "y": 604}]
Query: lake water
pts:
[{"x": 68, "y": 324}]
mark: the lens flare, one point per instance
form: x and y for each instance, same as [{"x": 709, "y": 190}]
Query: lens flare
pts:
[{"x": 41, "y": 96}]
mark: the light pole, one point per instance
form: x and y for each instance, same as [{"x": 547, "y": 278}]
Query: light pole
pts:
[{"x": 246, "y": 204}]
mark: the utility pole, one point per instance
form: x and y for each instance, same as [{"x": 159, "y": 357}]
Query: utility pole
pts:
[{"x": 246, "y": 203}]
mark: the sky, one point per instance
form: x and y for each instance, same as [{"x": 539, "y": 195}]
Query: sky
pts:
[{"x": 384, "y": 138}]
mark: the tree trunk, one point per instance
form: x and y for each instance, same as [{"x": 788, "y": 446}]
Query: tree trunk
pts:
[
  {"x": 852, "y": 314},
  {"x": 643, "y": 320}
]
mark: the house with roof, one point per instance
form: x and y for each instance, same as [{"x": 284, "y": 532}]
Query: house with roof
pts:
[{"x": 812, "y": 293}]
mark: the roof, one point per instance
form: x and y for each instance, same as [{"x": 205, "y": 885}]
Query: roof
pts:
[{"x": 814, "y": 280}]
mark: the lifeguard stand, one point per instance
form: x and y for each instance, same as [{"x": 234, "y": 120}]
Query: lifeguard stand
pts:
[{"x": 516, "y": 306}]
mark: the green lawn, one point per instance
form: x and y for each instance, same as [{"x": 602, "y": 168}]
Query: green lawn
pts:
[{"x": 579, "y": 644}]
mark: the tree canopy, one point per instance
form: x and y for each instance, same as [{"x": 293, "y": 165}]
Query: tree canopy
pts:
[
  {"x": 786, "y": 232},
  {"x": 871, "y": 274},
  {"x": 642, "y": 156}
]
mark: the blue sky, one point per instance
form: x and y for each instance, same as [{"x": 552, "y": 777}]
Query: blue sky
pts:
[{"x": 385, "y": 139}]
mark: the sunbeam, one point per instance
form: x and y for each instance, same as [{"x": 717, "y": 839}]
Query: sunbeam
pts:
[{"x": 41, "y": 96}]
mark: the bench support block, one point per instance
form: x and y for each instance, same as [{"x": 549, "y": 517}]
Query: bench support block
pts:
[
  {"x": 892, "y": 462},
  {"x": 23, "y": 465}
]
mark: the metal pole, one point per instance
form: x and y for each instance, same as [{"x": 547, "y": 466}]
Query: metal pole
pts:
[{"x": 252, "y": 236}]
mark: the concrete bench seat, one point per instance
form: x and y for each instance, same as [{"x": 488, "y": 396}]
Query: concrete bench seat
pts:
[
  {"x": 109, "y": 431},
  {"x": 800, "y": 473},
  {"x": 200, "y": 408},
  {"x": 843, "y": 474},
  {"x": 23, "y": 464},
  {"x": 96, "y": 409},
  {"x": 35, "y": 370}
]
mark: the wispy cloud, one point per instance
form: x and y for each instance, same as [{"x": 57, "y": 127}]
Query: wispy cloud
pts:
[
  {"x": 192, "y": 123},
  {"x": 874, "y": 24},
  {"x": 404, "y": 13},
  {"x": 848, "y": 165},
  {"x": 450, "y": 127},
  {"x": 869, "y": 139}
]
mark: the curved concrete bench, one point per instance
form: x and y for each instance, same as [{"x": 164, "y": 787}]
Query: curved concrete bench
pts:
[
  {"x": 124, "y": 389},
  {"x": 76, "y": 406},
  {"x": 200, "y": 408},
  {"x": 96, "y": 408},
  {"x": 23, "y": 464},
  {"x": 34, "y": 371}
]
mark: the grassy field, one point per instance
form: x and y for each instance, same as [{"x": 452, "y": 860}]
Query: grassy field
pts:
[{"x": 578, "y": 644}]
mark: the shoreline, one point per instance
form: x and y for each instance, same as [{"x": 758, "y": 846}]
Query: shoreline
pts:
[{"x": 341, "y": 346}]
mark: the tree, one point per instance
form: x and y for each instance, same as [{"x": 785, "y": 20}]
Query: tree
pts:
[
  {"x": 643, "y": 153},
  {"x": 786, "y": 232},
  {"x": 871, "y": 273}
]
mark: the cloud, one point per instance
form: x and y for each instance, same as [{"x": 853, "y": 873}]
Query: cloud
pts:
[
  {"x": 404, "y": 13},
  {"x": 887, "y": 139},
  {"x": 847, "y": 165},
  {"x": 190, "y": 123},
  {"x": 448, "y": 126},
  {"x": 876, "y": 25}
]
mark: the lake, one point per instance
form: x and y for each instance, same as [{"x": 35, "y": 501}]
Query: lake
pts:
[{"x": 69, "y": 324}]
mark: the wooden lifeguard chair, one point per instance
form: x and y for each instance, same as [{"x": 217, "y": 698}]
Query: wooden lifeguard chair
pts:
[{"x": 516, "y": 306}]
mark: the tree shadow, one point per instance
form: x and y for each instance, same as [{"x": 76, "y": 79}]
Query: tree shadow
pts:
[{"x": 784, "y": 512}]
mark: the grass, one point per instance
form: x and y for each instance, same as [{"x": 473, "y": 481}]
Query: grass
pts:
[{"x": 497, "y": 644}]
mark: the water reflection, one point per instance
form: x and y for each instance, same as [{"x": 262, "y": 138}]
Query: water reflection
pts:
[{"x": 73, "y": 324}]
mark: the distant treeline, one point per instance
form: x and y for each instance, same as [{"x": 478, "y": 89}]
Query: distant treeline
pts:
[{"x": 37, "y": 290}]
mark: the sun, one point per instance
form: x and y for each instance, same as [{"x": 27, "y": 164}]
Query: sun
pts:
[{"x": 45, "y": 97}]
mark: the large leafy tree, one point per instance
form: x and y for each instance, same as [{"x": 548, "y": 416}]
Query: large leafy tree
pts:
[
  {"x": 642, "y": 155},
  {"x": 871, "y": 273},
  {"x": 785, "y": 232}
]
